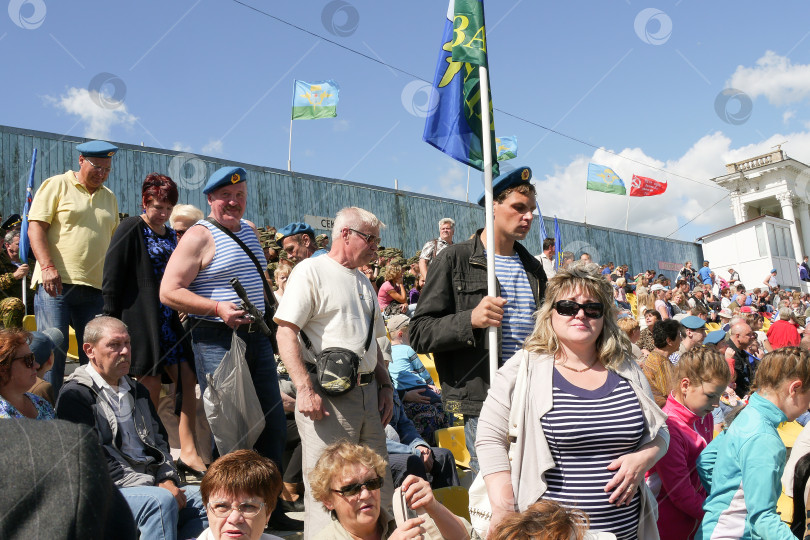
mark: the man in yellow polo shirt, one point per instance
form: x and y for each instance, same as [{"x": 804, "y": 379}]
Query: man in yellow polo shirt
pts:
[{"x": 71, "y": 222}]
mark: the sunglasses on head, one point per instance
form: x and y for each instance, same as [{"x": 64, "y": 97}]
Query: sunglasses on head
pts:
[
  {"x": 353, "y": 489},
  {"x": 28, "y": 360},
  {"x": 569, "y": 308}
]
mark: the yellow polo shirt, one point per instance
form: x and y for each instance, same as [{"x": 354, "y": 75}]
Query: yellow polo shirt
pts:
[{"x": 81, "y": 227}]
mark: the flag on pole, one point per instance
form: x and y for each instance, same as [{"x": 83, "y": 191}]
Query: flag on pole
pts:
[
  {"x": 315, "y": 100},
  {"x": 558, "y": 260},
  {"x": 543, "y": 234},
  {"x": 454, "y": 122},
  {"x": 29, "y": 197},
  {"x": 646, "y": 187},
  {"x": 601, "y": 178},
  {"x": 507, "y": 147}
]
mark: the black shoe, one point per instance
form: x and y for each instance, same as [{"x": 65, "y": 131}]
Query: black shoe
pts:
[
  {"x": 282, "y": 522},
  {"x": 187, "y": 474},
  {"x": 291, "y": 506}
]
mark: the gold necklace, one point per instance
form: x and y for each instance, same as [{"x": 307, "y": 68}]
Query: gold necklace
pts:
[{"x": 579, "y": 370}]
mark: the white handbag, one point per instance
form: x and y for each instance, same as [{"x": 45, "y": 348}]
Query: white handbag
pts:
[{"x": 480, "y": 507}]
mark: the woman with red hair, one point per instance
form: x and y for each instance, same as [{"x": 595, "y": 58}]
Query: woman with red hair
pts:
[
  {"x": 133, "y": 268},
  {"x": 18, "y": 373}
]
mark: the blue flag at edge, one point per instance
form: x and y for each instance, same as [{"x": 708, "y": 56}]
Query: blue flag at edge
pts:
[
  {"x": 29, "y": 197},
  {"x": 557, "y": 245}
]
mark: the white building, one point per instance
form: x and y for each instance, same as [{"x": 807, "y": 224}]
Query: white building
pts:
[{"x": 769, "y": 199}]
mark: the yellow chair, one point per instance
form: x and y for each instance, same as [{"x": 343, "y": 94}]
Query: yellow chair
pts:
[
  {"x": 454, "y": 498},
  {"x": 633, "y": 301},
  {"x": 73, "y": 345},
  {"x": 712, "y": 326},
  {"x": 29, "y": 323},
  {"x": 788, "y": 431},
  {"x": 452, "y": 438},
  {"x": 430, "y": 366},
  {"x": 766, "y": 324}
]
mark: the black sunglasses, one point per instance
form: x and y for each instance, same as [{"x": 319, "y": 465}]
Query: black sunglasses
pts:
[
  {"x": 28, "y": 360},
  {"x": 569, "y": 308},
  {"x": 353, "y": 489}
]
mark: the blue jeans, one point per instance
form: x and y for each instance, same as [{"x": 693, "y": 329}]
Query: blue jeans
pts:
[
  {"x": 211, "y": 343},
  {"x": 156, "y": 515},
  {"x": 76, "y": 306},
  {"x": 470, "y": 430}
]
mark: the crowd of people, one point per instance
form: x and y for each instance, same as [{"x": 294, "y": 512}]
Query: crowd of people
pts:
[{"x": 625, "y": 406}]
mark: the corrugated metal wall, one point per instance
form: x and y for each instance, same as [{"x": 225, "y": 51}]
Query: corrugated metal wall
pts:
[{"x": 277, "y": 197}]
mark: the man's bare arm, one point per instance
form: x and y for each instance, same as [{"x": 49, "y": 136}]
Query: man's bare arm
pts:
[
  {"x": 38, "y": 236},
  {"x": 309, "y": 401}
]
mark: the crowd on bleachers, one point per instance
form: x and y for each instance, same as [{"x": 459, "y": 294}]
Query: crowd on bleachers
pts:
[{"x": 355, "y": 383}]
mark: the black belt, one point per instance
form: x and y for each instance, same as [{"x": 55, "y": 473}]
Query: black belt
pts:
[
  {"x": 363, "y": 380},
  {"x": 205, "y": 323}
]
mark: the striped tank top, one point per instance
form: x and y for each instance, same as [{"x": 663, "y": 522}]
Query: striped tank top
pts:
[
  {"x": 586, "y": 430},
  {"x": 520, "y": 307},
  {"x": 230, "y": 261}
]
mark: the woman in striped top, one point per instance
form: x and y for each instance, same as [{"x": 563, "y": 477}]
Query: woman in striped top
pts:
[{"x": 589, "y": 429}]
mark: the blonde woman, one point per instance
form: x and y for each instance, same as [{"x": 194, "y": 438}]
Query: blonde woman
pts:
[{"x": 590, "y": 429}]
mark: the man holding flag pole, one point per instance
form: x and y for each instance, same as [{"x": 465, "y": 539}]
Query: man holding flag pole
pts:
[{"x": 457, "y": 318}]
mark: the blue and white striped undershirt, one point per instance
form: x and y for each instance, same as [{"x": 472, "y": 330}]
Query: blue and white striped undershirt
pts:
[
  {"x": 517, "y": 319},
  {"x": 230, "y": 260},
  {"x": 586, "y": 430}
]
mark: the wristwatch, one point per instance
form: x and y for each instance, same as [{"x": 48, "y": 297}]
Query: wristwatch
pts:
[{"x": 386, "y": 385}]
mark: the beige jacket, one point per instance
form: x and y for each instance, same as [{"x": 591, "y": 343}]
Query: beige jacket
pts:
[{"x": 530, "y": 457}]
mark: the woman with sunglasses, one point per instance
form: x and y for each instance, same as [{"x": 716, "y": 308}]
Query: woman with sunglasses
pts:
[
  {"x": 589, "y": 430},
  {"x": 347, "y": 481},
  {"x": 18, "y": 373}
]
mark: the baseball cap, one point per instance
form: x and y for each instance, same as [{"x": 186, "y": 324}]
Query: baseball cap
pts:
[{"x": 398, "y": 322}]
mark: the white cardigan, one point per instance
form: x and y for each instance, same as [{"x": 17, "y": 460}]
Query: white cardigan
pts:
[{"x": 530, "y": 457}]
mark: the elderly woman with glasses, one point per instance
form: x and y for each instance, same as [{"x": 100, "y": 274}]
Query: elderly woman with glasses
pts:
[
  {"x": 239, "y": 492},
  {"x": 589, "y": 428},
  {"x": 347, "y": 481},
  {"x": 18, "y": 373}
]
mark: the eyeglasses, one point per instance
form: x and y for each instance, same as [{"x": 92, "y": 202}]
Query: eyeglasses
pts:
[
  {"x": 28, "y": 360},
  {"x": 369, "y": 238},
  {"x": 569, "y": 308},
  {"x": 247, "y": 509},
  {"x": 97, "y": 168},
  {"x": 180, "y": 232},
  {"x": 353, "y": 489}
]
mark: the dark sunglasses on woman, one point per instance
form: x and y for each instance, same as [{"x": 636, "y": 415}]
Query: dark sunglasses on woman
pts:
[
  {"x": 569, "y": 308},
  {"x": 354, "y": 489}
]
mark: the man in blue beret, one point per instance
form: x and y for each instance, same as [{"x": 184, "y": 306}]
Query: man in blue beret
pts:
[
  {"x": 453, "y": 311},
  {"x": 197, "y": 282},
  {"x": 71, "y": 223},
  {"x": 298, "y": 240}
]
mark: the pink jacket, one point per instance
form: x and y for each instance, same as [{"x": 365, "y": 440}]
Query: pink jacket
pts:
[{"x": 681, "y": 497}]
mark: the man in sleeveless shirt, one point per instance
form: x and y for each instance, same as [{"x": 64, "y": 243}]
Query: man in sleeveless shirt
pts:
[
  {"x": 454, "y": 311},
  {"x": 196, "y": 282}
]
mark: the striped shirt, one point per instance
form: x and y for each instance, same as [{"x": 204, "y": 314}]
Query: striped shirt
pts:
[
  {"x": 586, "y": 430},
  {"x": 517, "y": 318},
  {"x": 230, "y": 261}
]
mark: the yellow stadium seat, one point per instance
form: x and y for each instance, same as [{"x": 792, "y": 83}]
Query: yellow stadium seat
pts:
[
  {"x": 784, "y": 507},
  {"x": 789, "y": 431},
  {"x": 633, "y": 301},
  {"x": 430, "y": 366},
  {"x": 452, "y": 438},
  {"x": 29, "y": 323},
  {"x": 73, "y": 346},
  {"x": 712, "y": 326},
  {"x": 454, "y": 498},
  {"x": 766, "y": 324}
]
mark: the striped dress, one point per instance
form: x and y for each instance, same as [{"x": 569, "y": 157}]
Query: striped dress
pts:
[
  {"x": 517, "y": 318},
  {"x": 586, "y": 430}
]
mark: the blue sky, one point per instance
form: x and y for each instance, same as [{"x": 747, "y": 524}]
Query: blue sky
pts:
[{"x": 637, "y": 79}]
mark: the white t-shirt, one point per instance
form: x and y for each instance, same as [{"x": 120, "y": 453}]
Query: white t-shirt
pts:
[{"x": 332, "y": 304}]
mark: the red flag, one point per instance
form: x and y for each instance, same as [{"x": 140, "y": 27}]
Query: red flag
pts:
[{"x": 646, "y": 187}]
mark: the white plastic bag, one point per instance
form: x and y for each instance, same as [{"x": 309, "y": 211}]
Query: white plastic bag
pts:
[{"x": 231, "y": 404}]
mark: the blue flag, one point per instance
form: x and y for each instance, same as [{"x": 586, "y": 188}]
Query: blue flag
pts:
[
  {"x": 454, "y": 122},
  {"x": 29, "y": 197},
  {"x": 543, "y": 234},
  {"x": 558, "y": 260},
  {"x": 315, "y": 100},
  {"x": 601, "y": 178},
  {"x": 507, "y": 147}
]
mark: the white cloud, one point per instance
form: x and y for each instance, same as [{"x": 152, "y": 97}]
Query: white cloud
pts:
[
  {"x": 214, "y": 146},
  {"x": 787, "y": 116},
  {"x": 97, "y": 112},
  {"x": 341, "y": 124},
  {"x": 180, "y": 147},
  {"x": 775, "y": 77}
]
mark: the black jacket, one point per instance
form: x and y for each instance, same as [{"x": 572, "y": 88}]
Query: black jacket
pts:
[
  {"x": 743, "y": 371},
  {"x": 455, "y": 284}
]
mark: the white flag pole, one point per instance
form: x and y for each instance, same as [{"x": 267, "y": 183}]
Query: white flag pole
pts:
[
  {"x": 585, "y": 217},
  {"x": 289, "y": 155},
  {"x": 468, "y": 184},
  {"x": 24, "y": 295},
  {"x": 627, "y": 216},
  {"x": 486, "y": 142}
]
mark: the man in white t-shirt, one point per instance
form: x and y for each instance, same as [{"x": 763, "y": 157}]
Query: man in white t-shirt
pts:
[
  {"x": 332, "y": 302},
  {"x": 547, "y": 257}
]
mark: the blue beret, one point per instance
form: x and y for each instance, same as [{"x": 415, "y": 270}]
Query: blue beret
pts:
[
  {"x": 225, "y": 176},
  {"x": 97, "y": 149},
  {"x": 521, "y": 175},
  {"x": 713, "y": 338},
  {"x": 693, "y": 323},
  {"x": 293, "y": 229}
]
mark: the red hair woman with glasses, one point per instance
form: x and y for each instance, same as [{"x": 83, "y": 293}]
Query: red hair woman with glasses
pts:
[
  {"x": 18, "y": 373},
  {"x": 585, "y": 428}
]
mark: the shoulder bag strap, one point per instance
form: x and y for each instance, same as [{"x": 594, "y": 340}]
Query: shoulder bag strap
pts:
[{"x": 267, "y": 291}]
